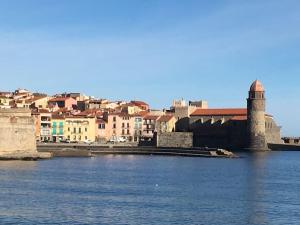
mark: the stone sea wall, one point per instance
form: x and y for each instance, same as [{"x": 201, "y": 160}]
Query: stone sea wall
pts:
[{"x": 175, "y": 140}]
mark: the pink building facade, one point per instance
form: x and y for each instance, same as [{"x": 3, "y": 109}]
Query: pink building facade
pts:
[
  {"x": 63, "y": 102},
  {"x": 120, "y": 125}
]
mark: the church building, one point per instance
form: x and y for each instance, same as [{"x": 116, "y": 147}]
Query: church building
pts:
[{"x": 236, "y": 128}]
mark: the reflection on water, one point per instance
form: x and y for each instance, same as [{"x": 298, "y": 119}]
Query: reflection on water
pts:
[
  {"x": 256, "y": 189},
  {"x": 256, "y": 177},
  {"x": 17, "y": 165}
]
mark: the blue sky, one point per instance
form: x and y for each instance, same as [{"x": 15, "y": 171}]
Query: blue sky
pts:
[{"x": 156, "y": 50}]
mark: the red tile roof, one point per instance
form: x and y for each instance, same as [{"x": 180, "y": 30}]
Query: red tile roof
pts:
[
  {"x": 165, "y": 118},
  {"x": 78, "y": 116},
  {"x": 141, "y": 113},
  {"x": 44, "y": 111},
  {"x": 121, "y": 114},
  {"x": 139, "y": 103},
  {"x": 220, "y": 112},
  {"x": 59, "y": 99},
  {"x": 151, "y": 117},
  {"x": 128, "y": 105},
  {"x": 239, "y": 118}
]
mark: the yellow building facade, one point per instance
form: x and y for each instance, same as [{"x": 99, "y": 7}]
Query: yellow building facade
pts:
[
  {"x": 80, "y": 129},
  {"x": 166, "y": 123}
]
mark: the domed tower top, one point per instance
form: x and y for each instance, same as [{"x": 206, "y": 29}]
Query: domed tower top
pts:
[
  {"x": 256, "y": 86},
  {"x": 257, "y": 90}
]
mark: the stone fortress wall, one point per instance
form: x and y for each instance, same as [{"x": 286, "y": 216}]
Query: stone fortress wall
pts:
[
  {"x": 174, "y": 140},
  {"x": 17, "y": 136}
]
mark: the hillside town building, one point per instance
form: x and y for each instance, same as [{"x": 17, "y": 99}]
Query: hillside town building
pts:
[{"x": 78, "y": 118}]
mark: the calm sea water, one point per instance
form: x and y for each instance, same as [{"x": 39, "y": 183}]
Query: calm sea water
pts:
[{"x": 255, "y": 189}]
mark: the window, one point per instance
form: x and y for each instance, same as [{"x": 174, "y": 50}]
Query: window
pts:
[
  {"x": 74, "y": 130},
  {"x": 85, "y": 129},
  {"x": 79, "y": 129},
  {"x": 114, "y": 119},
  {"x": 127, "y": 125},
  {"x": 86, "y": 138},
  {"x": 68, "y": 128},
  {"x": 114, "y": 126},
  {"x": 127, "y": 131},
  {"x": 123, "y": 124},
  {"x": 123, "y": 132},
  {"x": 101, "y": 126}
]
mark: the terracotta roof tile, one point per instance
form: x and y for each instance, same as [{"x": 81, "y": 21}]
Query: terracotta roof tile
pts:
[
  {"x": 44, "y": 111},
  {"x": 141, "y": 113},
  {"x": 239, "y": 118},
  {"x": 59, "y": 99},
  {"x": 220, "y": 112},
  {"x": 151, "y": 117},
  {"x": 119, "y": 114},
  {"x": 165, "y": 118},
  {"x": 139, "y": 103}
]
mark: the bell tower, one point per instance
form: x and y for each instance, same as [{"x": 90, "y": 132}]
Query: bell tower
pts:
[{"x": 256, "y": 106}]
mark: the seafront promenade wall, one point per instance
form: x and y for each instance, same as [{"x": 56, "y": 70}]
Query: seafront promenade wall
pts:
[
  {"x": 17, "y": 139},
  {"x": 175, "y": 140}
]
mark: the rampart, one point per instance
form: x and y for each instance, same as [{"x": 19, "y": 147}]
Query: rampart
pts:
[{"x": 17, "y": 139}]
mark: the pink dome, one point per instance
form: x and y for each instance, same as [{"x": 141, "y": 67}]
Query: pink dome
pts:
[{"x": 256, "y": 86}]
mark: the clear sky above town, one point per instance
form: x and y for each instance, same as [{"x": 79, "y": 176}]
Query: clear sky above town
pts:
[{"x": 156, "y": 50}]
